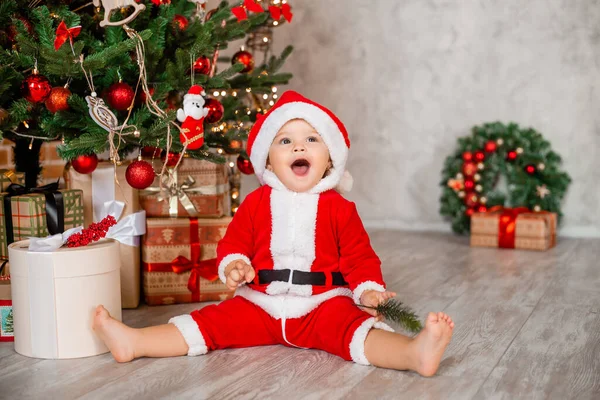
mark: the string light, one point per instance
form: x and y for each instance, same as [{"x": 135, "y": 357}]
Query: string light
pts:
[
  {"x": 223, "y": 93},
  {"x": 265, "y": 96},
  {"x": 274, "y": 96},
  {"x": 265, "y": 39},
  {"x": 234, "y": 94},
  {"x": 271, "y": 103},
  {"x": 216, "y": 93},
  {"x": 275, "y": 23},
  {"x": 220, "y": 151},
  {"x": 248, "y": 90},
  {"x": 231, "y": 164},
  {"x": 274, "y": 89}
]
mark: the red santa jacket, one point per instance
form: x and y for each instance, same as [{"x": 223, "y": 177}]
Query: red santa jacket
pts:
[{"x": 281, "y": 229}]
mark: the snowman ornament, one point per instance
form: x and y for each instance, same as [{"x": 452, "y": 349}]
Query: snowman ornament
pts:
[{"x": 192, "y": 118}]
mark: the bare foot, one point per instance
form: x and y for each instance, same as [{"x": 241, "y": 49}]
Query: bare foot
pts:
[
  {"x": 118, "y": 337},
  {"x": 432, "y": 341}
]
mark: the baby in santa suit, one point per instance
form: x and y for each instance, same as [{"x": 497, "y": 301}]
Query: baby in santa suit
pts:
[{"x": 299, "y": 258}]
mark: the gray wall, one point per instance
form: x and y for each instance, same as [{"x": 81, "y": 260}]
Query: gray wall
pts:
[{"x": 408, "y": 77}]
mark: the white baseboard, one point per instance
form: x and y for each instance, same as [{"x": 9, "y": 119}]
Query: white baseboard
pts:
[{"x": 569, "y": 231}]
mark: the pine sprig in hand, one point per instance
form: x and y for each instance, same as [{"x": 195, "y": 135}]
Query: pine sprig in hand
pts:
[{"x": 397, "y": 312}]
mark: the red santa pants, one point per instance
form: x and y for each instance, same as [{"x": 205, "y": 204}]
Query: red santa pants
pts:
[{"x": 336, "y": 326}]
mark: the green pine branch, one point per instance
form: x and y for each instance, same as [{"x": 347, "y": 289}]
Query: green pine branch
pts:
[{"x": 397, "y": 312}]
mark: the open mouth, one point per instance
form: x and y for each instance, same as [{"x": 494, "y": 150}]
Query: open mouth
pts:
[{"x": 300, "y": 167}]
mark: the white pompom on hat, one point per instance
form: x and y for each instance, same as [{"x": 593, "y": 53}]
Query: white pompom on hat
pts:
[{"x": 292, "y": 105}]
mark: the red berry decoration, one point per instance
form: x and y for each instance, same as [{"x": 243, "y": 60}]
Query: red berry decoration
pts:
[
  {"x": 85, "y": 164},
  {"x": 479, "y": 156},
  {"x": 511, "y": 155},
  {"x": 469, "y": 212},
  {"x": 243, "y": 57},
  {"x": 58, "y": 99},
  {"x": 172, "y": 159},
  {"x": 215, "y": 111},
  {"x": 36, "y": 88},
  {"x": 530, "y": 169},
  {"x": 94, "y": 232},
  {"x": 139, "y": 174},
  {"x": 202, "y": 65},
  {"x": 467, "y": 156},
  {"x": 180, "y": 22},
  {"x": 244, "y": 165},
  {"x": 490, "y": 146},
  {"x": 469, "y": 185},
  {"x": 120, "y": 96},
  {"x": 469, "y": 168}
]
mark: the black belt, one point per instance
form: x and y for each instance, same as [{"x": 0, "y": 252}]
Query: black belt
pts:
[{"x": 300, "y": 277}]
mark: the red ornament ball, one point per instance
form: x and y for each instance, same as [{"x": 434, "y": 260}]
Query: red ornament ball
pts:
[
  {"x": 467, "y": 156},
  {"x": 479, "y": 156},
  {"x": 243, "y": 57},
  {"x": 469, "y": 168},
  {"x": 12, "y": 30},
  {"x": 471, "y": 199},
  {"x": 180, "y": 22},
  {"x": 141, "y": 99},
  {"x": 160, "y": 2},
  {"x": 490, "y": 146},
  {"x": 511, "y": 155},
  {"x": 530, "y": 169},
  {"x": 469, "y": 212},
  {"x": 469, "y": 185},
  {"x": 139, "y": 174},
  {"x": 172, "y": 159},
  {"x": 215, "y": 111},
  {"x": 244, "y": 165},
  {"x": 36, "y": 88},
  {"x": 85, "y": 164},
  {"x": 150, "y": 151},
  {"x": 481, "y": 209},
  {"x": 58, "y": 99},
  {"x": 202, "y": 65},
  {"x": 120, "y": 96}
]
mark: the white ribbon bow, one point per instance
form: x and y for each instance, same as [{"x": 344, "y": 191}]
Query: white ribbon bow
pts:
[{"x": 54, "y": 242}]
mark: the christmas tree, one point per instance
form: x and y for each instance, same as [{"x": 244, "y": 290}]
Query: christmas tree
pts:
[{"x": 111, "y": 76}]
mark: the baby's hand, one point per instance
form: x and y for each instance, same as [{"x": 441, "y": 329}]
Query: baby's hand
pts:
[
  {"x": 373, "y": 298},
  {"x": 237, "y": 272}
]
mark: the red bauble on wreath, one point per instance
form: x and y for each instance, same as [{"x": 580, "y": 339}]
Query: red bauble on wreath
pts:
[
  {"x": 244, "y": 57},
  {"x": 120, "y": 96},
  {"x": 58, "y": 99},
  {"x": 490, "y": 146},
  {"x": 469, "y": 168},
  {"x": 139, "y": 174},
  {"x": 215, "y": 111},
  {"x": 244, "y": 165},
  {"x": 36, "y": 88},
  {"x": 467, "y": 156},
  {"x": 85, "y": 164},
  {"x": 202, "y": 65},
  {"x": 180, "y": 23}
]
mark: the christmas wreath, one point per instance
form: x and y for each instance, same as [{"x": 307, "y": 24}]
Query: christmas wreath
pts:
[{"x": 495, "y": 151}]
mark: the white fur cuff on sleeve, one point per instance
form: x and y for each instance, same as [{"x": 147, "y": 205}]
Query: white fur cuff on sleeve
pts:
[
  {"x": 191, "y": 333},
  {"x": 225, "y": 262},
  {"x": 368, "y": 285}
]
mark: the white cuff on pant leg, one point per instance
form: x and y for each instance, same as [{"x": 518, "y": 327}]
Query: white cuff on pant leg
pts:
[
  {"x": 357, "y": 344},
  {"x": 191, "y": 333}
]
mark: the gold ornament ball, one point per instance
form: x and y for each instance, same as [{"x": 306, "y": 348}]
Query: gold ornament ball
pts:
[
  {"x": 499, "y": 142},
  {"x": 541, "y": 166},
  {"x": 58, "y": 99},
  {"x": 461, "y": 194},
  {"x": 477, "y": 177},
  {"x": 459, "y": 176},
  {"x": 537, "y": 208},
  {"x": 478, "y": 188},
  {"x": 480, "y": 166},
  {"x": 519, "y": 150},
  {"x": 483, "y": 199}
]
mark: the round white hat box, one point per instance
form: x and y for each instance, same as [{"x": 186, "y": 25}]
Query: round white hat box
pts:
[{"x": 55, "y": 295}]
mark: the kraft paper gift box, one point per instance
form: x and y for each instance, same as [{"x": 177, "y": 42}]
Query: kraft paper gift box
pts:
[
  {"x": 201, "y": 190},
  {"x": 514, "y": 228},
  {"x": 98, "y": 188},
  {"x": 25, "y": 215},
  {"x": 7, "y": 177},
  {"x": 55, "y": 295},
  {"x": 6, "y": 314},
  {"x": 179, "y": 260}
]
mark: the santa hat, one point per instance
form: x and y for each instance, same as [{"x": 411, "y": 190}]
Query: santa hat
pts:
[
  {"x": 292, "y": 105},
  {"x": 195, "y": 93}
]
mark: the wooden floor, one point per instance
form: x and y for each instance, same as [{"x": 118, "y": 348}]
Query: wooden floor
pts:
[{"x": 527, "y": 327}]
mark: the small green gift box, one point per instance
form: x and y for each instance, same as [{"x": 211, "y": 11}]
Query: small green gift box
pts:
[{"x": 38, "y": 213}]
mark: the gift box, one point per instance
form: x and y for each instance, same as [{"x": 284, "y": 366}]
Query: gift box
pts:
[
  {"x": 55, "y": 295},
  {"x": 37, "y": 212},
  {"x": 197, "y": 188},
  {"x": 179, "y": 260},
  {"x": 6, "y": 314},
  {"x": 98, "y": 188},
  {"x": 8, "y": 177},
  {"x": 514, "y": 228}
]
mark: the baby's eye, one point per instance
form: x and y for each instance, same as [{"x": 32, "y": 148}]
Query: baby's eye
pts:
[
  {"x": 312, "y": 139},
  {"x": 285, "y": 141}
]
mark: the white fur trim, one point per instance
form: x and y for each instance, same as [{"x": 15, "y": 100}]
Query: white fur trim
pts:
[
  {"x": 194, "y": 97},
  {"x": 294, "y": 219},
  {"x": 368, "y": 285},
  {"x": 318, "y": 119},
  {"x": 289, "y": 306},
  {"x": 357, "y": 344},
  {"x": 191, "y": 333},
  {"x": 346, "y": 183},
  {"x": 225, "y": 262}
]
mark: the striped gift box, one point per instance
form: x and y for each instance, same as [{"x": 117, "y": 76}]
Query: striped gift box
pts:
[{"x": 29, "y": 215}]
